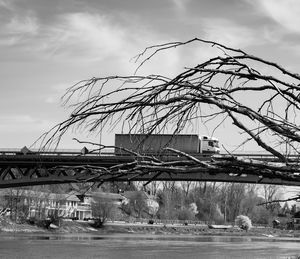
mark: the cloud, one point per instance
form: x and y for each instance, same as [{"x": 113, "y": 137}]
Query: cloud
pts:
[
  {"x": 86, "y": 37},
  {"x": 180, "y": 5},
  {"x": 17, "y": 130},
  {"x": 83, "y": 34},
  {"x": 7, "y": 4},
  {"x": 79, "y": 37},
  {"x": 285, "y": 13},
  {"x": 12, "y": 121},
  {"x": 229, "y": 33},
  {"x": 19, "y": 30},
  {"x": 284, "y": 29},
  {"x": 92, "y": 36},
  {"x": 25, "y": 25},
  {"x": 56, "y": 92}
]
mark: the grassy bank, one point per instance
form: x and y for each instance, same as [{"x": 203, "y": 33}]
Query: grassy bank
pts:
[
  {"x": 198, "y": 230},
  {"x": 7, "y": 225},
  {"x": 155, "y": 229}
]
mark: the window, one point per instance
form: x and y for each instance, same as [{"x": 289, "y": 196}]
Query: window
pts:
[{"x": 216, "y": 143}]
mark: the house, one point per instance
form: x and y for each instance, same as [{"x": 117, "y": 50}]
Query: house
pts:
[
  {"x": 114, "y": 198},
  {"x": 44, "y": 204},
  {"x": 37, "y": 204},
  {"x": 69, "y": 206}
]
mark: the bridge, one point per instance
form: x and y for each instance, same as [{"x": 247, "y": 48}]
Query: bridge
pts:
[{"x": 25, "y": 168}]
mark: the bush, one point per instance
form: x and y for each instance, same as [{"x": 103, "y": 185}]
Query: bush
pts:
[
  {"x": 243, "y": 222},
  {"x": 102, "y": 210},
  {"x": 98, "y": 223},
  {"x": 186, "y": 214},
  {"x": 42, "y": 223}
]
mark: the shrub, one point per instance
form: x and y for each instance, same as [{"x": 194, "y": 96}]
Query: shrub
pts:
[
  {"x": 185, "y": 214},
  {"x": 101, "y": 210},
  {"x": 243, "y": 222}
]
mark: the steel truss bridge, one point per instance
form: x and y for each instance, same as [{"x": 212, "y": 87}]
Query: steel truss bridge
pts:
[{"x": 26, "y": 168}]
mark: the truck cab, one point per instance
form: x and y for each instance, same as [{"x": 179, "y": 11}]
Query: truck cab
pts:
[{"x": 209, "y": 145}]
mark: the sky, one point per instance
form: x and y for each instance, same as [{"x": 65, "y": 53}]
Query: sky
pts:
[{"x": 47, "y": 46}]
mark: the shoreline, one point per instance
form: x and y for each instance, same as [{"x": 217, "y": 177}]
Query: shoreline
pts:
[
  {"x": 72, "y": 227},
  {"x": 202, "y": 230}
]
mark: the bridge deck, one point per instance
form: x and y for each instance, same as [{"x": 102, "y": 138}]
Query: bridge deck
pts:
[{"x": 17, "y": 169}]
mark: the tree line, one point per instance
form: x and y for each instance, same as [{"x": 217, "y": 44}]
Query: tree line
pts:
[{"x": 210, "y": 202}]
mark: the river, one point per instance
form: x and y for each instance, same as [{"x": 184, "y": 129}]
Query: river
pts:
[{"x": 143, "y": 246}]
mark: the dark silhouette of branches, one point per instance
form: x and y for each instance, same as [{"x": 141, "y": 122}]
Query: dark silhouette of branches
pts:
[
  {"x": 218, "y": 89},
  {"x": 296, "y": 198}
]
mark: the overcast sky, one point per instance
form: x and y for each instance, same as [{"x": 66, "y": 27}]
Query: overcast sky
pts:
[{"x": 47, "y": 46}]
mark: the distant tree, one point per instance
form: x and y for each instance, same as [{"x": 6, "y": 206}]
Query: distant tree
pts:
[
  {"x": 3, "y": 202},
  {"x": 137, "y": 206},
  {"x": 271, "y": 192},
  {"x": 260, "y": 215},
  {"x": 232, "y": 195},
  {"x": 168, "y": 204},
  {"x": 293, "y": 209},
  {"x": 193, "y": 208},
  {"x": 121, "y": 187},
  {"x": 284, "y": 210},
  {"x": 101, "y": 210},
  {"x": 186, "y": 187},
  {"x": 185, "y": 214},
  {"x": 250, "y": 200},
  {"x": 243, "y": 222},
  {"x": 207, "y": 203},
  {"x": 188, "y": 212},
  {"x": 153, "y": 187},
  {"x": 18, "y": 205}
]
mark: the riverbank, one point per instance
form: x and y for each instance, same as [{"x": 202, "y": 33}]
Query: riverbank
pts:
[
  {"x": 197, "y": 230},
  {"x": 152, "y": 229},
  {"x": 7, "y": 225}
]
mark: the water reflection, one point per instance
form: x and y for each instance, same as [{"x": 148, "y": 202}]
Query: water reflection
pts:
[
  {"x": 144, "y": 246},
  {"x": 91, "y": 237}
]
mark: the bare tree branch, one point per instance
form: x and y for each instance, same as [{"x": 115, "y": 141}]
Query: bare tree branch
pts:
[
  {"x": 279, "y": 200},
  {"x": 214, "y": 90}
]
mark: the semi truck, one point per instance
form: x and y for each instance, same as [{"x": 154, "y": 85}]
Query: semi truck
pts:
[{"x": 156, "y": 143}]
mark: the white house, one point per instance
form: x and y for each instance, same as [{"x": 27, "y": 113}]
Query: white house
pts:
[{"x": 45, "y": 204}]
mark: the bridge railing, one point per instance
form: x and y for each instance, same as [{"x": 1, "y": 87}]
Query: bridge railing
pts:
[
  {"x": 111, "y": 152},
  {"x": 56, "y": 152}
]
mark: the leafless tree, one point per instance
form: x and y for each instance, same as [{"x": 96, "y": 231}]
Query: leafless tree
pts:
[
  {"x": 186, "y": 186},
  {"x": 213, "y": 90},
  {"x": 271, "y": 195},
  {"x": 102, "y": 210}
]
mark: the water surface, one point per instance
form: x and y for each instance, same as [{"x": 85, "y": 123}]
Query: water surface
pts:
[{"x": 144, "y": 246}]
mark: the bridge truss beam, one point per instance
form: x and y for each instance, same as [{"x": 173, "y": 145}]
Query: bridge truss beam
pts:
[{"x": 27, "y": 170}]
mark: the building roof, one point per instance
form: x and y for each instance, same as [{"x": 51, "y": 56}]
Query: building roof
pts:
[
  {"x": 38, "y": 194},
  {"x": 107, "y": 196},
  {"x": 133, "y": 194}
]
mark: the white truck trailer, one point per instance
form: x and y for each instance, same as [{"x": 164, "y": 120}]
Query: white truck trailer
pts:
[{"x": 155, "y": 143}]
